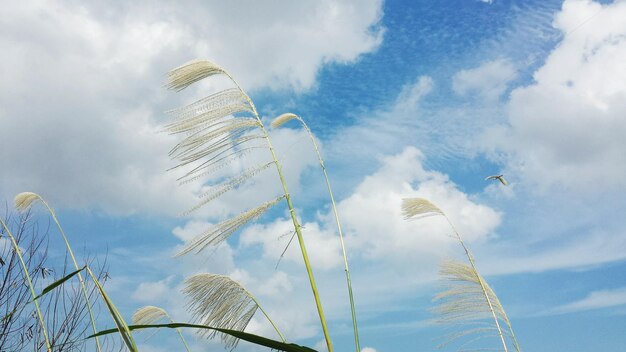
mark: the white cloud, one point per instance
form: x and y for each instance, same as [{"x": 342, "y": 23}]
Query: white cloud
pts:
[
  {"x": 290, "y": 40},
  {"x": 81, "y": 97},
  {"x": 148, "y": 292},
  {"x": 373, "y": 220},
  {"x": 566, "y": 128},
  {"x": 323, "y": 245},
  {"x": 489, "y": 80},
  {"x": 373, "y": 223},
  {"x": 368, "y": 349},
  {"x": 595, "y": 300}
]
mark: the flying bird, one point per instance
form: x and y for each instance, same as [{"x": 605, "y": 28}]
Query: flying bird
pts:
[{"x": 499, "y": 178}]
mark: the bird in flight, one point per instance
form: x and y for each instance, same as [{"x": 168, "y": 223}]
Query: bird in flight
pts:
[{"x": 499, "y": 178}]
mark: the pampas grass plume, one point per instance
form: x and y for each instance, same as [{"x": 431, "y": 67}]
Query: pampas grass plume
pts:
[
  {"x": 282, "y": 119},
  {"x": 24, "y": 200},
  {"x": 419, "y": 207},
  {"x": 191, "y": 72}
]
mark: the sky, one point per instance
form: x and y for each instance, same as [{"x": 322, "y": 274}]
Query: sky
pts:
[{"x": 406, "y": 99}]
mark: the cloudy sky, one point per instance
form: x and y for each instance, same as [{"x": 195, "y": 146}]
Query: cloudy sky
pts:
[{"x": 406, "y": 98}]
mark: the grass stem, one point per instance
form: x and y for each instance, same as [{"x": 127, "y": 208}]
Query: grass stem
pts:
[{"x": 30, "y": 285}]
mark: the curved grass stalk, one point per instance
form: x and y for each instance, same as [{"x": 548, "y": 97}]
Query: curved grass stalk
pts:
[
  {"x": 220, "y": 301},
  {"x": 30, "y": 285},
  {"x": 24, "y": 201},
  {"x": 279, "y": 121},
  {"x": 151, "y": 315},
  {"x": 182, "y": 77},
  {"x": 419, "y": 207},
  {"x": 486, "y": 289},
  {"x": 118, "y": 319}
]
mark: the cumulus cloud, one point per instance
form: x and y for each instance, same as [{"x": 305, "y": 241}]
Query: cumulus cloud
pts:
[
  {"x": 392, "y": 255},
  {"x": 81, "y": 96},
  {"x": 323, "y": 245},
  {"x": 372, "y": 214},
  {"x": 148, "y": 292},
  {"x": 373, "y": 223},
  {"x": 565, "y": 129}
]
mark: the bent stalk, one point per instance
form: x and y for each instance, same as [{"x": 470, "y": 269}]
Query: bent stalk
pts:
[
  {"x": 334, "y": 207},
  {"x": 294, "y": 218},
  {"x": 30, "y": 285},
  {"x": 23, "y": 201}
]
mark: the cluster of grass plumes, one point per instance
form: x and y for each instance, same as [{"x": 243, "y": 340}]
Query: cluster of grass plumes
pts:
[
  {"x": 218, "y": 131},
  {"x": 467, "y": 299}
]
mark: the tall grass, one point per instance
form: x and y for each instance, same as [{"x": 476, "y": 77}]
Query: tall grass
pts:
[
  {"x": 216, "y": 135},
  {"x": 276, "y": 123},
  {"x": 23, "y": 202},
  {"x": 468, "y": 295},
  {"x": 30, "y": 284}
]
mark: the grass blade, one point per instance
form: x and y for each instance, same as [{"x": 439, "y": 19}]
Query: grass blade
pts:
[
  {"x": 122, "y": 327},
  {"x": 59, "y": 282},
  {"x": 255, "y": 339}
]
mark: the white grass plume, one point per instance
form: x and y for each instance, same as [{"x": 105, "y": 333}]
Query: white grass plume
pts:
[
  {"x": 152, "y": 315},
  {"x": 419, "y": 207},
  {"x": 464, "y": 302},
  {"x": 212, "y": 153},
  {"x": 282, "y": 119},
  {"x": 191, "y": 72},
  {"x": 218, "y": 233},
  {"x": 149, "y": 315},
  {"x": 218, "y": 301},
  {"x": 471, "y": 297},
  {"x": 214, "y": 101},
  {"x": 229, "y": 184},
  {"x": 23, "y": 201}
]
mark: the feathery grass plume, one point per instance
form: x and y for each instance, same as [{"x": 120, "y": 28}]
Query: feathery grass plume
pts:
[
  {"x": 282, "y": 119},
  {"x": 419, "y": 207},
  {"x": 471, "y": 297},
  {"x": 28, "y": 280},
  {"x": 216, "y": 133},
  {"x": 24, "y": 201},
  {"x": 229, "y": 184},
  {"x": 463, "y": 301},
  {"x": 191, "y": 72},
  {"x": 218, "y": 233},
  {"x": 151, "y": 315},
  {"x": 219, "y": 301},
  {"x": 279, "y": 121}
]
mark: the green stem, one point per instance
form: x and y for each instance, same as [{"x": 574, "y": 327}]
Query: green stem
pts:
[
  {"x": 267, "y": 316},
  {"x": 122, "y": 327},
  {"x": 482, "y": 284},
  {"x": 80, "y": 277},
  {"x": 30, "y": 285},
  {"x": 343, "y": 247},
  {"x": 181, "y": 336},
  {"x": 294, "y": 219}
]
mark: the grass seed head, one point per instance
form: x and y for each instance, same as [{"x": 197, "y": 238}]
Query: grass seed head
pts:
[{"x": 24, "y": 200}]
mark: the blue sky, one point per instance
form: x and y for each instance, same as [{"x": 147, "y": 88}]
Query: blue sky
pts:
[{"x": 407, "y": 99}]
